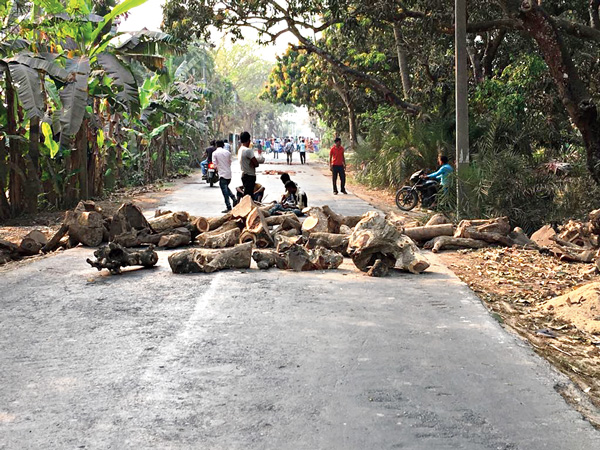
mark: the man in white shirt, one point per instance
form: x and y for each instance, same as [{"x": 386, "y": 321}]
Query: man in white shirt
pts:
[
  {"x": 248, "y": 163},
  {"x": 222, "y": 159}
]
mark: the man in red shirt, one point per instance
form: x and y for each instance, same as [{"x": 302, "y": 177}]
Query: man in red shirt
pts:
[{"x": 337, "y": 165}]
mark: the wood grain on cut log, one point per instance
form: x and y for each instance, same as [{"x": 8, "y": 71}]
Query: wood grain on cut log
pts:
[
  {"x": 32, "y": 243},
  {"x": 256, "y": 224},
  {"x": 207, "y": 260},
  {"x": 374, "y": 239},
  {"x": 86, "y": 227},
  {"x": 128, "y": 217},
  {"x": 169, "y": 221},
  {"x": 335, "y": 242},
  {"x": 243, "y": 208},
  {"x": 440, "y": 243},
  {"x": 176, "y": 237},
  {"x": 288, "y": 233},
  {"x": 114, "y": 256},
  {"x": 226, "y": 238},
  {"x": 428, "y": 232},
  {"x": 54, "y": 242},
  {"x": 202, "y": 224},
  {"x": 316, "y": 222}
]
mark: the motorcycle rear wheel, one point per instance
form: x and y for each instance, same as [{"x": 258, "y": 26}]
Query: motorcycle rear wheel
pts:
[{"x": 406, "y": 198}]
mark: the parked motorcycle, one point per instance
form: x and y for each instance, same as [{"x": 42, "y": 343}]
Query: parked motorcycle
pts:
[
  {"x": 212, "y": 174},
  {"x": 423, "y": 189}
]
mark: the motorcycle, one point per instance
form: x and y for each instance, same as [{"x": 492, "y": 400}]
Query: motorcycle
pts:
[
  {"x": 212, "y": 174},
  {"x": 423, "y": 189}
]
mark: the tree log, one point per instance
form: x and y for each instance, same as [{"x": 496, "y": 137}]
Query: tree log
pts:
[
  {"x": 176, "y": 238},
  {"x": 429, "y": 232},
  {"x": 202, "y": 224},
  {"x": 205, "y": 260},
  {"x": 128, "y": 217},
  {"x": 440, "y": 243},
  {"x": 284, "y": 243},
  {"x": 9, "y": 249},
  {"x": 520, "y": 239},
  {"x": 595, "y": 221},
  {"x": 217, "y": 222},
  {"x": 494, "y": 231},
  {"x": 256, "y": 224},
  {"x": 287, "y": 221},
  {"x": 227, "y": 238},
  {"x": 267, "y": 258},
  {"x": 86, "y": 227},
  {"x": 114, "y": 256},
  {"x": 169, "y": 221},
  {"x": 335, "y": 220},
  {"x": 54, "y": 242},
  {"x": 243, "y": 208},
  {"x": 316, "y": 222},
  {"x": 335, "y": 242},
  {"x": 32, "y": 243},
  {"x": 375, "y": 239},
  {"x": 5, "y": 257},
  {"x": 437, "y": 219},
  {"x": 301, "y": 259}
]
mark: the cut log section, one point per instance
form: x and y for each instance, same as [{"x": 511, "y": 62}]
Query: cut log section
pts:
[
  {"x": 335, "y": 242},
  {"x": 335, "y": 220},
  {"x": 205, "y": 260},
  {"x": 114, "y": 256},
  {"x": 429, "y": 232},
  {"x": 202, "y": 224},
  {"x": 54, "y": 242},
  {"x": 128, "y": 217},
  {"x": 287, "y": 221},
  {"x": 32, "y": 243},
  {"x": 316, "y": 222},
  {"x": 169, "y": 221},
  {"x": 284, "y": 243},
  {"x": 217, "y": 222},
  {"x": 86, "y": 227},
  {"x": 227, "y": 238},
  {"x": 177, "y": 237},
  {"x": 301, "y": 259},
  {"x": 375, "y": 239},
  {"x": 256, "y": 225},
  {"x": 243, "y": 208},
  {"x": 440, "y": 243}
]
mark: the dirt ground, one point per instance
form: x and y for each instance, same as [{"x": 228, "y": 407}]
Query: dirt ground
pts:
[{"x": 516, "y": 285}]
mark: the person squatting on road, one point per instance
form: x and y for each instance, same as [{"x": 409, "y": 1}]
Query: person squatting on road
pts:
[
  {"x": 222, "y": 159},
  {"x": 337, "y": 165},
  {"x": 291, "y": 201},
  {"x": 285, "y": 177},
  {"x": 289, "y": 150},
  {"x": 248, "y": 163},
  {"x": 207, "y": 157},
  {"x": 259, "y": 192}
]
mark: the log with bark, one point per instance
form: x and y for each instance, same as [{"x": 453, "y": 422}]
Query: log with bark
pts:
[
  {"x": 429, "y": 232},
  {"x": 32, "y": 243},
  {"x": 85, "y": 227},
  {"x": 54, "y": 242},
  {"x": 176, "y": 237},
  {"x": 298, "y": 258},
  {"x": 113, "y": 257},
  {"x": 243, "y": 208},
  {"x": 128, "y": 217},
  {"x": 335, "y": 242},
  {"x": 316, "y": 222},
  {"x": 494, "y": 231},
  {"x": 374, "y": 239},
  {"x": 440, "y": 243},
  {"x": 438, "y": 219},
  {"x": 206, "y": 260},
  {"x": 579, "y": 233},
  {"x": 520, "y": 239},
  {"x": 9, "y": 250},
  {"x": 202, "y": 224},
  {"x": 256, "y": 225},
  {"x": 266, "y": 258},
  {"x": 225, "y": 238},
  {"x": 169, "y": 221},
  {"x": 335, "y": 220},
  {"x": 286, "y": 221},
  {"x": 284, "y": 243}
]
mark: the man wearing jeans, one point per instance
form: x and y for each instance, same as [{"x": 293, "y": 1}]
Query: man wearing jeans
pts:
[
  {"x": 337, "y": 165},
  {"x": 249, "y": 163},
  {"x": 222, "y": 159}
]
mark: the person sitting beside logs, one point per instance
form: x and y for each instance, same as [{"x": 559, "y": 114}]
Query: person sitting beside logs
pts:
[
  {"x": 285, "y": 177},
  {"x": 292, "y": 201},
  {"x": 259, "y": 192}
]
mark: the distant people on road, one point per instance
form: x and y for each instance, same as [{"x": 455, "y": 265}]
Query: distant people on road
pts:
[
  {"x": 248, "y": 163},
  {"x": 222, "y": 159},
  {"x": 289, "y": 150},
  {"x": 337, "y": 165},
  {"x": 291, "y": 201},
  {"x": 302, "y": 152},
  {"x": 276, "y": 149},
  {"x": 207, "y": 157}
]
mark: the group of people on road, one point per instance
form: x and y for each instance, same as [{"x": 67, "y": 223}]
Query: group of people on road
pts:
[
  {"x": 288, "y": 145},
  {"x": 293, "y": 200}
]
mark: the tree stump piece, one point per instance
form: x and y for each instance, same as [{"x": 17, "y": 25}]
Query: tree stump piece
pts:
[
  {"x": 267, "y": 258},
  {"x": 86, "y": 227},
  {"x": 169, "y": 221},
  {"x": 227, "y": 238},
  {"x": 128, "y": 217},
  {"x": 437, "y": 219},
  {"x": 335, "y": 242},
  {"x": 205, "y": 260},
  {"x": 114, "y": 256},
  {"x": 32, "y": 243},
  {"x": 440, "y": 243},
  {"x": 176, "y": 238},
  {"x": 429, "y": 232}
]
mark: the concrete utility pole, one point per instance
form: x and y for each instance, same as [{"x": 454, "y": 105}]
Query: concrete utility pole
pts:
[{"x": 462, "y": 105}]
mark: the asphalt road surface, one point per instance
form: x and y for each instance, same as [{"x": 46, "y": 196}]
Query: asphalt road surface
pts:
[{"x": 266, "y": 359}]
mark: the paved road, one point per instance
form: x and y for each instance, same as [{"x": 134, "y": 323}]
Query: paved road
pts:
[{"x": 266, "y": 360}]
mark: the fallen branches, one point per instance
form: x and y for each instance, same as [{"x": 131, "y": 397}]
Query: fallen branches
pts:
[{"x": 114, "y": 256}]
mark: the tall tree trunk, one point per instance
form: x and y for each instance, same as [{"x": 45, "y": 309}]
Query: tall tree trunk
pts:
[
  {"x": 81, "y": 147},
  {"x": 343, "y": 92},
  {"x": 491, "y": 50},
  {"x": 4, "y": 205},
  {"x": 573, "y": 92},
  {"x": 16, "y": 174},
  {"x": 32, "y": 188},
  {"x": 402, "y": 61},
  {"x": 595, "y": 14}
]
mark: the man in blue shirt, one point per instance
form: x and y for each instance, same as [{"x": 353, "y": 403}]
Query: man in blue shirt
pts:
[{"x": 442, "y": 173}]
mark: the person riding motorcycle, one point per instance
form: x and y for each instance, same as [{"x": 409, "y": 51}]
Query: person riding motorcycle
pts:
[{"x": 441, "y": 175}]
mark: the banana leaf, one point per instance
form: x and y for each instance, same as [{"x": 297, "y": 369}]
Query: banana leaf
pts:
[
  {"x": 74, "y": 95},
  {"x": 121, "y": 77},
  {"x": 29, "y": 88}
]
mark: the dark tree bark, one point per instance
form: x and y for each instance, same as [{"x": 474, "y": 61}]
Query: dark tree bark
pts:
[
  {"x": 402, "y": 61},
  {"x": 4, "y": 205},
  {"x": 595, "y": 14},
  {"x": 16, "y": 174},
  {"x": 491, "y": 50},
  {"x": 32, "y": 188},
  {"x": 573, "y": 92}
]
